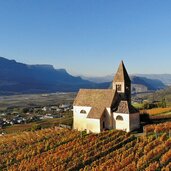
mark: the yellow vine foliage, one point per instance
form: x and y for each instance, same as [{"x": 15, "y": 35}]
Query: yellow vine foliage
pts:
[{"x": 156, "y": 111}]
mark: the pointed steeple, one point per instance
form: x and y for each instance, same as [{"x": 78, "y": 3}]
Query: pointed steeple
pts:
[
  {"x": 122, "y": 83},
  {"x": 121, "y": 74}
]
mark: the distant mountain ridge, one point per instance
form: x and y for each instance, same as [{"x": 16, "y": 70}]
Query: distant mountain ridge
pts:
[
  {"x": 165, "y": 78},
  {"x": 17, "y": 77},
  {"x": 143, "y": 84},
  {"x": 139, "y": 84},
  {"x": 99, "y": 79},
  {"x": 152, "y": 84}
]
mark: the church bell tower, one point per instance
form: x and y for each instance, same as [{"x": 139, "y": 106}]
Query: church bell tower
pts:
[{"x": 122, "y": 83}]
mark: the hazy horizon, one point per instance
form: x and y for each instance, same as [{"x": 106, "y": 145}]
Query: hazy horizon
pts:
[{"x": 88, "y": 37}]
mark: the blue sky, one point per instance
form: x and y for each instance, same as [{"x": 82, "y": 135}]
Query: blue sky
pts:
[{"x": 88, "y": 37}]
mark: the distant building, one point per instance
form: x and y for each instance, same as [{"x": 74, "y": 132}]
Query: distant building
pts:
[
  {"x": 45, "y": 109},
  {"x": 64, "y": 106},
  {"x": 98, "y": 109}
]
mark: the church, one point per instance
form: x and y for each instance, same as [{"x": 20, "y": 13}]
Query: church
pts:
[{"x": 95, "y": 110}]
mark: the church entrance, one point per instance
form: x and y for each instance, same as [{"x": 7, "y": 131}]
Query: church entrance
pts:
[{"x": 103, "y": 125}]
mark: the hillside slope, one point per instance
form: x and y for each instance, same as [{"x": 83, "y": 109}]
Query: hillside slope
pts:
[
  {"x": 159, "y": 95},
  {"x": 142, "y": 84},
  {"x": 69, "y": 150}
]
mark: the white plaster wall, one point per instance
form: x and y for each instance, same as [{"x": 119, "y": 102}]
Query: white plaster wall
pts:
[
  {"x": 93, "y": 125},
  {"x": 134, "y": 121},
  {"x": 109, "y": 122},
  {"x": 122, "y": 125},
  {"x": 79, "y": 119}
]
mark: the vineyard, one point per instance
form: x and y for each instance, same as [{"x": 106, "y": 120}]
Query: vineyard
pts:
[
  {"x": 68, "y": 150},
  {"x": 158, "y": 114},
  {"x": 157, "y": 111},
  {"x": 158, "y": 128}
]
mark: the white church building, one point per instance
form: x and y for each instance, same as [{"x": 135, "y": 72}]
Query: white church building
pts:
[{"x": 96, "y": 110}]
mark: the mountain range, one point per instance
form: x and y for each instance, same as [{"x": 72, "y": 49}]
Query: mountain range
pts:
[
  {"x": 139, "y": 83},
  {"x": 165, "y": 78},
  {"x": 17, "y": 78}
]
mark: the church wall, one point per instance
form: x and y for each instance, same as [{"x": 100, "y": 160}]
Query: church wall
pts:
[
  {"x": 107, "y": 119},
  {"x": 105, "y": 122},
  {"x": 93, "y": 125},
  {"x": 134, "y": 121},
  {"x": 80, "y": 122},
  {"x": 122, "y": 124}
]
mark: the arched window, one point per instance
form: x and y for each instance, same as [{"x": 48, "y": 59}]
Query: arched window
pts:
[
  {"x": 120, "y": 118},
  {"x": 83, "y": 111}
]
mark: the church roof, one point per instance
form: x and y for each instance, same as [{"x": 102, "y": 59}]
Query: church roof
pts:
[
  {"x": 126, "y": 107},
  {"x": 95, "y": 97},
  {"x": 96, "y": 112},
  {"x": 121, "y": 74}
]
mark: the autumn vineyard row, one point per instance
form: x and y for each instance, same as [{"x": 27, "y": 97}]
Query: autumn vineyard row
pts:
[
  {"x": 156, "y": 111},
  {"x": 158, "y": 128},
  {"x": 68, "y": 150}
]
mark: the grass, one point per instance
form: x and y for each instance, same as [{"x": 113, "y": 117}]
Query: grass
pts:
[{"x": 138, "y": 105}]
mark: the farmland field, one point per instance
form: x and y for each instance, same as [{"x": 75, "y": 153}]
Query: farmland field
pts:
[
  {"x": 18, "y": 102},
  {"x": 70, "y": 150},
  {"x": 31, "y": 100}
]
